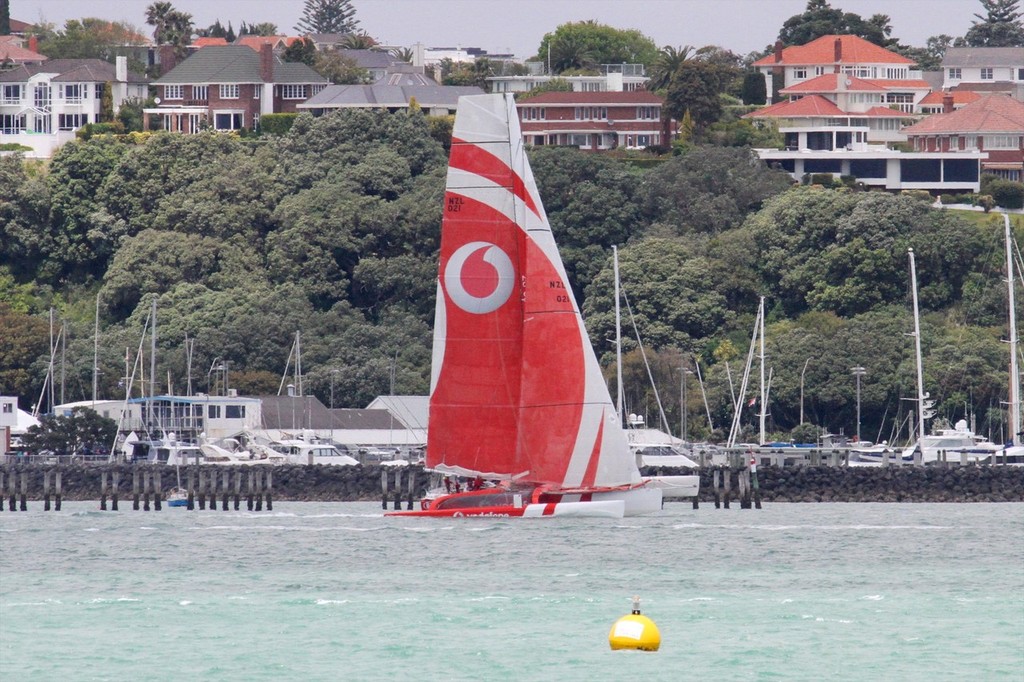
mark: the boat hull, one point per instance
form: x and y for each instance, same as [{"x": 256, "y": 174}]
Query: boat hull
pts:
[{"x": 607, "y": 509}]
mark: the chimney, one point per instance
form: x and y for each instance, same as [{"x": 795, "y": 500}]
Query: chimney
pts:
[
  {"x": 33, "y": 43},
  {"x": 168, "y": 59},
  {"x": 838, "y": 52},
  {"x": 267, "y": 62},
  {"x": 778, "y": 51},
  {"x": 121, "y": 69},
  {"x": 947, "y": 103}
]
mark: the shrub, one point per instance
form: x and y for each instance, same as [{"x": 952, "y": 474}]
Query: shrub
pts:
[
  {"x": 823, "y": 179},
  {"x": 276, "y": 124},
  {"x": 1007, "y": 193},
  {"x": 14, "y": 147},
  {"x": 90, "y": 129},
  {"x": 947, "y": 199},
  {"x": 986, "y": 202}
]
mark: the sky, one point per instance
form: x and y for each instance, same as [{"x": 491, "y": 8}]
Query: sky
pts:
[{"x": 517, "y": 26}]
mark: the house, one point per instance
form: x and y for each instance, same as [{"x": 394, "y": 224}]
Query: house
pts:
[
  {"x": 8, "y": 421},
  {"x": 613, "y": 78},
  {"x": 433, "y": 99},
  {"x": 993, "y": 124},
  {"x": 849, "y": 55},
  {"x": 985, "y": 69},
  {"x": 377, "y": 63},
  {"x": 939, "y": 101},
  {"x": 14, "y": 50},
  {"x": 595, "y": 120},
  {"x": 228, "y": 87},
  {"x": 42, "y": 105}
]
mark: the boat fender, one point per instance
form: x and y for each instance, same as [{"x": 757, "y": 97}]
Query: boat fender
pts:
[{"x": 634, "y": 632}]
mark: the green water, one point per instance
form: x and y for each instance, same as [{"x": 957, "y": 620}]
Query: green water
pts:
[{"x": 329, "y": 591}]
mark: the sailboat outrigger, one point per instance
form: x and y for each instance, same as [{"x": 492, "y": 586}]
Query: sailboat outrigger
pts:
[{"x": 517, "y": 395}]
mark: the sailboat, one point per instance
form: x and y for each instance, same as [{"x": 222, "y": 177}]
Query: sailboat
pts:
[{"x": 517, "y": 396}]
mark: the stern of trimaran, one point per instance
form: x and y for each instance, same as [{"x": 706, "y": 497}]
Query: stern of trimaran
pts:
[{"x": 517, "y": 396}]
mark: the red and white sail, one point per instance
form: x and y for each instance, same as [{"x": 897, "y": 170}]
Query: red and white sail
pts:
[{"x": 516, "y": 390}]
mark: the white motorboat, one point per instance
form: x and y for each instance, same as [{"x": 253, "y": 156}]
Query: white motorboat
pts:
[{"x": 303, "y": 452}]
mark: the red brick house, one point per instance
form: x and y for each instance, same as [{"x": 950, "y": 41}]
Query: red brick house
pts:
[
  {"x": 595, "y": 120},
  {"x": 993, "y": 124},
  {"x": 228, "y": 87}
]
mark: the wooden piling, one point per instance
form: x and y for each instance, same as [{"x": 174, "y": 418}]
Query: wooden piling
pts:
[
  {"x": 147, "y": 486},
  {"x": 12, "y": 477},
  {"x": 56, "y": 484},
  {"x": 157, "y": 490},
  {"x": 714, "y": 488},
  {"x": 202, "y": 488},
  {"x": 756, "y": 488},
  {"x": 251, "y": 488},
  {"x": 135, "y": 489},
  {"x": 3, "y": 478},
  {"x": 270, "y": 486},
  {"x": 384, "y": 487},
  {"x": 398, "y": 488},
  {"x": 190, "y": 484},
  {"x": 46, "y": 489},
  {"x": 103, "y": 490},
  {"x": 728, "y": 486},
  {"x": 259, "y": 489},
  {"x": 238, "y": 489},
  {"x": 412, "y": 487},
  {"x": 743, "y": 483},
  {"x": 225, "y": 489},
  {"x": 24, "y": 491}
]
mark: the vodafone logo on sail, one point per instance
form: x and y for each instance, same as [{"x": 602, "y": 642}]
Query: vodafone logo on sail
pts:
[{"x": 479, "y": 277}]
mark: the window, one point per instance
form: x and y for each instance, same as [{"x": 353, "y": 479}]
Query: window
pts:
[
  {"x": 73, "y": 93},
  {"x": 42, "y": 99},
  {"x": 986, "y": 73},
  {"x": 173, "y": 91},
  {"x": 819, "y": 70},
  {"x": 954, "y": 143},
  {"x": 591, "y": 113},
  {"x": 257, "y": 91},
  {"x": 860, "y": 71},
  {"x": 578, "y": 139},
  {"x": 229, "y": 91},
  {"x": 12, "y": 124},
  {"x": 800, "y": 74},
  {"x": 234, "y": 411},
  {"x": 1002, "y": 142},
  {"x": 896, "y": 73},
  {"x": 71, "y": 121},
  {"x": 647, "y": 112},
  {"x": 200, "y": 93},
  {"x": 534, "y": 113},
  {"x": 8, "y": 408},
  {"x": 318, "y": 88},
  {"x": 227, "y": 120},
  {"x": 12, "y": 94},
  {"x": 213, "y": 412},
  {"x": 954, "y": 74},
  {"x": 293, "y": 91},
  {"x": 971, "y": 142},
  {"x": 1020, "y": 74}
]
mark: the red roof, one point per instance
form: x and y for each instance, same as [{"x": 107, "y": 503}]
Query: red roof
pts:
[
  {"x": 853, "y": 50},
  {"x": 881, "y": 112},
  {"x": 206, "y": 42},
  {"x": 17, "y": 54},
  {"x": 888, "y": 84},
  {"x": 592, "y": 98},
  {"x": 812, "y": 105},
  {"x": 828, "y": 83},
  {"x": 987, "y": 114},
  {"x": 959, "y": 97}
]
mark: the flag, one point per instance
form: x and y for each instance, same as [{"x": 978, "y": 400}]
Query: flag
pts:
[{"x": 752, "y": 401}]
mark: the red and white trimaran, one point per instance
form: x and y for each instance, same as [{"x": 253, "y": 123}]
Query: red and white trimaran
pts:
[{"x": 517, "y": 394}]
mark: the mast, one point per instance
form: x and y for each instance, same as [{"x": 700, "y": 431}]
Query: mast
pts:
[
  {"x": 618, "y": 338},
  {"x": 96, "y": 350},
  {"x": 921, "y": 395},
  {"x": 763, "y": 400},
  {"x": 152, "y": 354},
  {"x": 1014, "y": 407}
]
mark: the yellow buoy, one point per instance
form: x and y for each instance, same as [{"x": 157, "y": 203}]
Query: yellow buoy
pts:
[{"x": 635, "y": 631}]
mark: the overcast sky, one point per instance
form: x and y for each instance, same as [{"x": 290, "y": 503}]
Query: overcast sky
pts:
[{"x": 517, "y": 26}]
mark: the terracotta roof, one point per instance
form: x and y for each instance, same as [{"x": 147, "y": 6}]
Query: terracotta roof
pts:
[
  {"x": 812, "y": 105},
  {"x": 919, "y": 83},
  {"x": 959, "y": 97},
  {"x": 854, "y": 50},
  {"x": 572, "y": 98},
  {"x": 206, "y": 42},
  {"x": 988, "y": 114},
  {"x": 829, "y": 83},
  {"x": 881, "y": 112},
  {"x": 17, "y": 54},
  {"x": 255, "y": 42}
]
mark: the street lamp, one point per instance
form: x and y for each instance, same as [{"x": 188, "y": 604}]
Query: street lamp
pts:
[
  {"x": 858, "y": 372},
  {"x": 804, "y": 371}
]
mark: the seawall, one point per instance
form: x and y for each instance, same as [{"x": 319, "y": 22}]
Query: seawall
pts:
[{"x": 776, "y": 484}]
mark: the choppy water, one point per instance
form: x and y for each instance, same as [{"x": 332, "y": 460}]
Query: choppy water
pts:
[{"x": 330, "y": 591}]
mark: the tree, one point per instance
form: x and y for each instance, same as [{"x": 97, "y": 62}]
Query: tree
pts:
[
  {"x": 170, "y": 26},
  {"x": 339, "y": 69},
  {"x": 90, "y": 39},
  {"x": 24, "y": 339},
  {"x": 584, "y": 45},
  {"x": 403, "y": 54},
  {"x": 359, "y": 40},
  {"x": 327, "y": 16},
  {"x": 1000, "y": 26},
  {"x": 754, "y": 90},
  {"x": 696, "y": 87},
  {"x": 302, "y": 50},
  {"x": 263, "y": 28},
  {"x": 821, "y": 19},
  {"x": 665, "y": 66},
  {"x": 83, "y": 430}
]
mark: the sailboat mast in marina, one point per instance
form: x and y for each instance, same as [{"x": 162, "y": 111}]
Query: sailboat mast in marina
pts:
[
  {"x": 1014, "y": 407},
  {"x": 518, "y": 403}
]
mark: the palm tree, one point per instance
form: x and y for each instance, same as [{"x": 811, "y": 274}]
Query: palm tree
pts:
[
  {"x": 665, "y": 66},
  {"x": 402, "y": 54},
  {"x": 156, "y": 16},
  {"x": 569, "y": 52},
  {"x": 358, "y": 41}
]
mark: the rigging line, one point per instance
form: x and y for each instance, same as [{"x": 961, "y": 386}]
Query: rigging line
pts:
[{"x": 643, "y": 353}]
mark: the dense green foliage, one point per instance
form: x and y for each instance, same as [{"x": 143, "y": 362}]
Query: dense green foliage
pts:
[
  {"x": 81, "y": 432},
  {"x": 331, "y": 228},
  {"x": 582, "y": 46}
]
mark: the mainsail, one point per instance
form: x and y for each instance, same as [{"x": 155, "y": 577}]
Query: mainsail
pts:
[{"x": 516, "y": 390}]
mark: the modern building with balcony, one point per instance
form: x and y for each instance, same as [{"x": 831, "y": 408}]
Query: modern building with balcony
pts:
[{"x": 595, "y": 121}]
